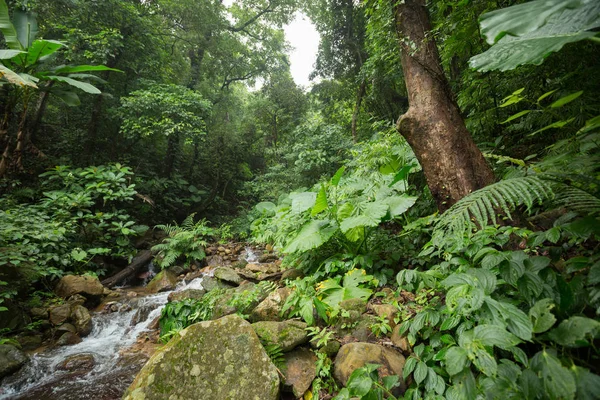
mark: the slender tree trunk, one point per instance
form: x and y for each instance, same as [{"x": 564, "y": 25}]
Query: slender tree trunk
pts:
[
  {"x": 359, "y": 97},
  {"x": 433, "y": 126},
  {"x": 171, "y": 156}
]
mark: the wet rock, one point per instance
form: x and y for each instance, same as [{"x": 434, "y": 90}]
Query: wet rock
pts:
[
  {"x": 221, "y": 249},
  {"x": 77, "y": 363},
  {"x": 212, "y": 360},
  {"x": 214, "y": 261},
  {"x": 227, "y": 275},
  {"x": 400, "y": 341},
  {"x": 358, "y": 326},
  {"x": 15, "y": 317},
  {"x": 287, "y": 335},
  {"x": 355, "y": 355},
  {"x": 162, "y": 282},
  {"x": 265, "y": 258},
  {"x": 263, "y": 268},
  {"x": 84, "y": 284},
  {"x": 66, "y": 327},
  {"x": 241, "y": 299},
  {"x": 11, "y": 359},
  {"x": 291, "y": 274},
  {"x": 68, "y": 338},
  {"x": 60, "y": 314},
  {"x": 299, "y": 371},
  {"x": 209, "y": 283},
  {"x": 82, "y": 319},
  {"x": 30, "y": 342},
  {"x": 77, "y": 300},
  {"x": 354, "y": 304},
  {"x": 240, "y": 264},
  {"x": 177, "y": 270},
  {"x": 269, "y": 247},
  {"x": 39, "y": 312},
  {"x": 270, "y": 308},
  {"x": 195, "y": 294}
]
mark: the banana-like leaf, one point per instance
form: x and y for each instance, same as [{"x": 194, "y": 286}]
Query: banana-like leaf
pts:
[
  {"x": 86, "y": 87},
  {"x": 8, "y": 29},
  {"x": 8, "y": 54},
  {"x": 14, "y": 78},
  {"x": 40, "y": 49},
  {"x": 71, "y": 69},
  {"x": 25, "y": 23},
  {"x": 528, "y": 33},
  {"x": 70, "y": 98}
]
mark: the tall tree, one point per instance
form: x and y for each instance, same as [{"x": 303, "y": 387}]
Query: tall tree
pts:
[{"x": 433, "y": 125}]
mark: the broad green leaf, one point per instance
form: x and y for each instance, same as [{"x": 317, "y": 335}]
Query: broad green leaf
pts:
[
  {"x": 420, "y": 372},
  {"x": 588, "y": 384},
  {"x": 409, "y": 367},
  {"x": 306, "y": 311},
  {"x": 515, "y": 116},
  {"x": 371, "y": 215},
  {"x": 335, "y": 180},
  {"x": 70, "y": 98},
  {"x": 78, "y": 255},
  {"x": 359, "y": 383},
  {"x": 575, "y": 332},
  {"x": 399, "y": 204},
  {"x": 14, "y": 78},
  {"x": 8, "y": 54},
  {"x": 70, "y": 69},
  {"x": 321, "y": 202},
  {"x": 456, "y": 360},
  {"x": 344, "y": 211},
  {"x": 8, "y": 29},
  {"x": 494, "y": 335},
  {"x": 463, "y": 387},
  {"x": 553, "y": 234},
  {"x": 40, "y": 49},
  {"x": 566, "y": 99},
  {"x": 485, "y": 362},
  {"x": 516, "y": 321},
  {"x": 541, "y": 315},
  {"x": 302, "y": 201},
  {"x": 86, "y": 87},
  {"x": 312, "y": 235},
  {"x": 26, "y": 26},
  {"x": 558, "y": 381},
  {"x": 401, "y": 175},
  {"x": 390, "y": 381},
  {"x": 528, "y": 33},
  {"x": 266, "y": 207}
]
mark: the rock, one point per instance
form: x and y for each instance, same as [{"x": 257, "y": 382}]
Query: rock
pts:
[
  {"x": 240, "y": 264},
  {"x": 82, "y": 319},
  {"x": 39, "y": 312},
  {"x": 209, "y": 283},
  {"x": 358, "y": 326},
  {"x": 238, "y": 249},
  {"x": 77, "y": 299},
  {"x": 84, "y": 284},
  {"x": 212, "y": 360},
  {"x": 354, "y": 304},
  {"x": 16, "y": 317},
  {"x": 400, "y": 341},
  {"x": 291, "y": 274},
  {"x": 30, "y": 342},
  {"x": 221, "y": 249},
  {"x": 299, "y": 371},
  {"x": 386, "y": 310},
  {"x": 11, "y": 359},
  {"x": 269, "y": 248},
  {"x": 77, "y": 363},
  {"x": 66, "y": 328},
  {"x": 227, "y": 275},
  {"x": 246, "y": 291},
  {"x": 270, "y": 308},
  {"x": 331, "y": 348},
  {"x": 68, "y": 338},
  {"x": 195, "y": 294},
  {"x": 263, "y": 268},
  {"x": 287, "y": 335},
  {"x": 60, "y": 314},
  {"x": 227, "y": 251},
  {"x": 162, "y": 282},
  {"x": 214, "y": 261},
  {"x": 355, "y": 355},
  {"x": 268, "y": 257}
]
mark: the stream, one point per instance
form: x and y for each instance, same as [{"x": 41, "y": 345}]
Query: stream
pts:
[{"x": 112, "y": 347}]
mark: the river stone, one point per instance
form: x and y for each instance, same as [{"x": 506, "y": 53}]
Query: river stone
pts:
[
  {"x": 30, "y": 342},
  {"x": 209, "y": 283},
  {"x": 228, "y": 275},
  {"x": 287, "y": 335},
  {"x": 78, "y": 300},
  {"x": 291, "y": 274},
  {"x": 60, "y": 314},
  {"x": 162, "y": 282},
  {"x": 82, "y": 319},
  {"x": 11, "y": 359},
  {"x": 66, "y": 328},
  {"x": 270, "y": 268},
  {"x": 77, "y": 363},
  {"x": 355, "y": 355},
  {"x": 225, "y": 305},
  {"x": 265, "y": 258},
  {"x": 195, "y": 294},
  {"x": 299, "y": 371},
  {"x": 270, "y": 308},
  {"x": 39, "y": 312},
  {"x": 84, "y": 284},
  {"x": 211, "y": 360},
  {"x": 68, "y": 338}
]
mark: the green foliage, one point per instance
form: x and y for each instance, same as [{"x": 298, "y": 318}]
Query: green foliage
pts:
[
  {"x": 275, "y": 353},
  {"x": 183, "y": 241},
  {"x": 245, "y": 301},
  {"x": 364, "y": 383},
  {"x": 333, "y": 293},
  {"x": 528, "y": 33}
]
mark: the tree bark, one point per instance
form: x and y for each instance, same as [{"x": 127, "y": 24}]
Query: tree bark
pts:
[
  {"x": 433, "y": 125},
  {"x": 359, "y": 96},
  {"x": 143, "y": 258}
]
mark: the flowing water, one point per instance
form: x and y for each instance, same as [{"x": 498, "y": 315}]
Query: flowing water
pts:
[{"x": 115, "y": 361}]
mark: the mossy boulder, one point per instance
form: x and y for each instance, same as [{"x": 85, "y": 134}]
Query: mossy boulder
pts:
[
  {"x": 11, "y": 359},
  {"x": 162, "y": 282},
  {"x": 227, "y": 275},
  {"x": 195, "y": 294},
  {"x": 211, "y": 360},
  {"x": 270, "y": 308},
  {"x": 82, "y": 319},
  {"x": 287, "y": 334}
]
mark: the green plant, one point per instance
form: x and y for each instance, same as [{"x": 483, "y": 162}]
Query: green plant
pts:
[
  {"x": 186, "y": 240},
  {"x": 365, "y": 384},
  {"x": 320, "y": 336},
  {"x": 332, "y": 293},
  {"x": 246, "y": 300},
  {"x": 303, "y": 301},
  {"x": 275, "y": 353},
  {"x": 324, "y": 380},
  {"x": 381, "y": 326}
]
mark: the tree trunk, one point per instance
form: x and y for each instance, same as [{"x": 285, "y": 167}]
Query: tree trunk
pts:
[
  {"x": 359, "y": 96},
  {"x": 142, "y": 259},
  {"x": 171, "y": 156},
  {"x": 433, "y": 126}
]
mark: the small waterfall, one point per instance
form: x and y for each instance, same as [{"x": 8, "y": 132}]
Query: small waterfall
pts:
[
  {"x": 249, "y": 255},
  {"x": 112, "y": 333}
]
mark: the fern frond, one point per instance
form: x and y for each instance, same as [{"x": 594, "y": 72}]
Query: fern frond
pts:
[{"x": 577, "y": 200}]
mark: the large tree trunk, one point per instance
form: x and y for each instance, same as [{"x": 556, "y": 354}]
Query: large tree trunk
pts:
[
  {"x": 433, "y": 126},
  {"x": 362, "y": 89}
]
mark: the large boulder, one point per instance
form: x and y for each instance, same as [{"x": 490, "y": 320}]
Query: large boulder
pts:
[
  {"x": 11, "y": 359},
  {"x": 355, "y": 355},
  {"x": 82, "y": 320},
  {"x": 162, "y": 282},
  {"x": 227, "y": 275},
  {"x": 212, "y": 360},
  {"x": 60, "y": 314},
  {"x": 195, "y": 294},
  {"x": 299, "y": 370},
  {"x": 242, "y": 299},
  {"x": 83, "y": 362},
  {"x": 287, "y": 335},
  {"x": 270, "y": 308},
  {"x": 84, "y": 284}
]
